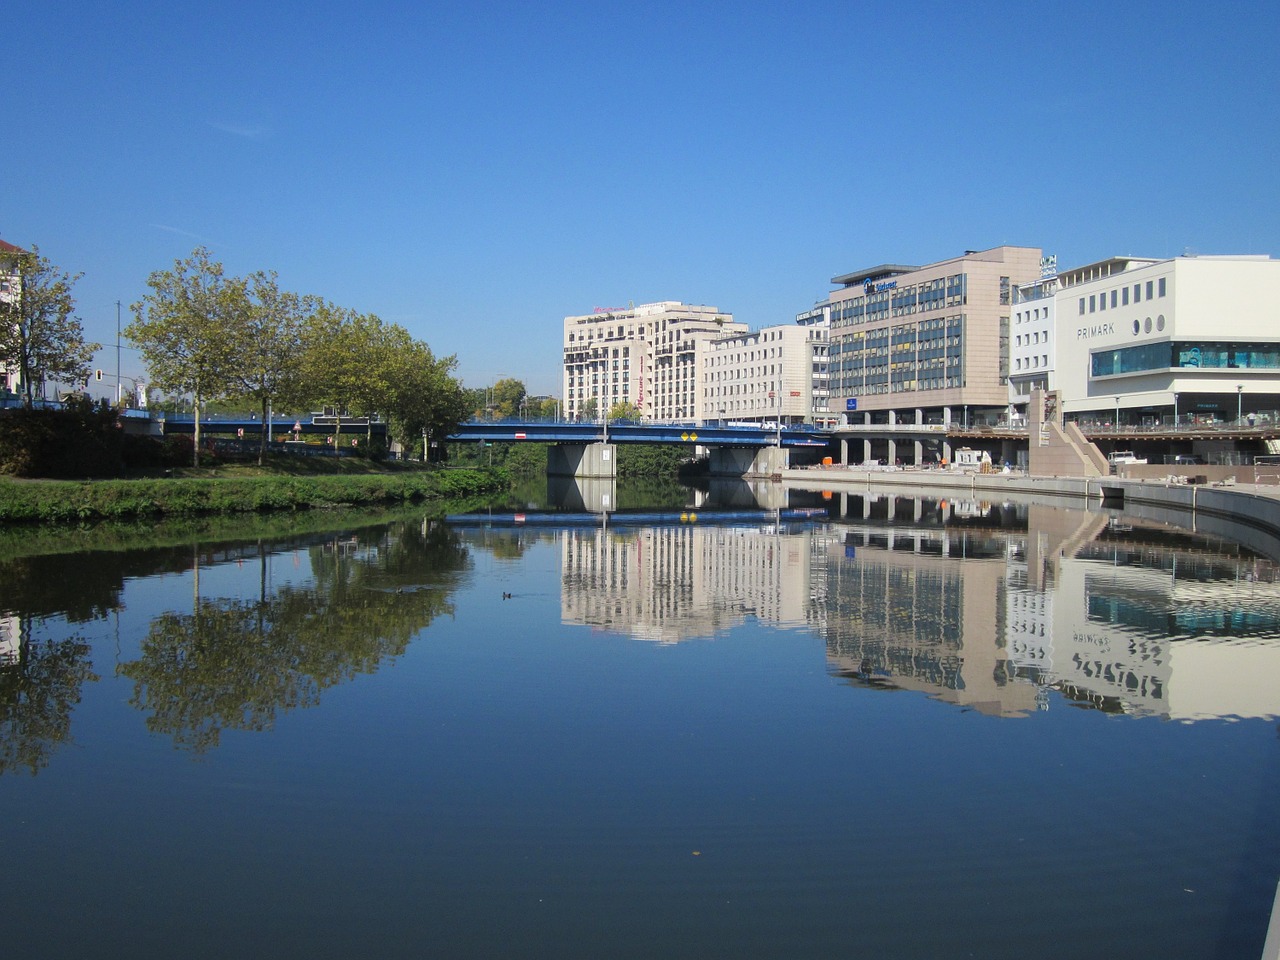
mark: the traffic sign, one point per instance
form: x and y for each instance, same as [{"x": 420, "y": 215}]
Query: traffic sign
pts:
[{"x": 851, "y": 403}]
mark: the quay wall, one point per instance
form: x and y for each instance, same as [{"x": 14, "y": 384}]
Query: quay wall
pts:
[{"x": 1249, "y": 516}]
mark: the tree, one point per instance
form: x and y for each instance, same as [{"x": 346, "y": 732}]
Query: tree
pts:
[
  {"x": 588, "y": 409},
  {"x": 38, "y": 334},
  {"x": 428, "y": 401},
  {"x": 622, "y": 410},
  {"x": 350, "y": 361},
  {"x": 507, "y": 395},
  {"x": 190, "y": 328},
  {"x": 270, "y": 367}
]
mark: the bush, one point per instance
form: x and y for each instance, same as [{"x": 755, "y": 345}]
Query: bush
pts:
[{"x": 80, "y": 440}]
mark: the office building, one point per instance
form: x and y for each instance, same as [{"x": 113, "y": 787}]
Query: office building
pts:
[{"x": 926, "y": 344}]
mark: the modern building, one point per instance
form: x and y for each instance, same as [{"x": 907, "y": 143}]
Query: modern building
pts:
[
  {"x": 778, "y": 374},
  {"x": 1192, "y": 338},
  {"x": 1033, "y": 337},
  {"x": 927, "y": 344},
  {"x": 650, "y": 356}
]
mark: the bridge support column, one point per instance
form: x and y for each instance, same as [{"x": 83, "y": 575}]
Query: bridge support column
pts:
[
  {"x": 740, "y": 462},
  {"x": 582, "y": 460}
]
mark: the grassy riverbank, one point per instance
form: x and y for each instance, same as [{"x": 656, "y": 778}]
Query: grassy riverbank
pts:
[{"x": 241, "y": 490}]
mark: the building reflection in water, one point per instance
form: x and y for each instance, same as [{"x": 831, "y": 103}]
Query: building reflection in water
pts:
[{"x": 989, "y": 607}]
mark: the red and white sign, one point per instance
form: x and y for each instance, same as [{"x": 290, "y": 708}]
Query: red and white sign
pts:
[{"x": 520, "y": 436}]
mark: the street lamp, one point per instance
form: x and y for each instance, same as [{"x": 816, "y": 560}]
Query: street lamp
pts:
[
  {"x": 1175, "y": 410},
  {"x": 1117, "y": 421},
  {"x": 1239, "y": 402}
]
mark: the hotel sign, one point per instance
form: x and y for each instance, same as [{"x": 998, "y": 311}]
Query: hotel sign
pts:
[{"x": 1049, "y": 267}]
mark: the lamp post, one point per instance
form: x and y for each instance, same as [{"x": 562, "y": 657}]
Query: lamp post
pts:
[
  {"x": 1239, "y": 402},
  {"x": 1117, "y": 420},
  {"x": 119, "y": 395},
  {"x": 1175, "y": 410}
]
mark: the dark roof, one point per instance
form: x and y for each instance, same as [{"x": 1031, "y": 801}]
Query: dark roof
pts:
[
  {"x": 7, "y": 247},
  {"x": 873, "y": 273}
]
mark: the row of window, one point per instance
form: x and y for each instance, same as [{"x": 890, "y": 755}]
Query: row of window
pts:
[
  {"x": 901, "y": 302},
  {"x": 1097, "y": 302},
  {"x": 1031, "y": 339},
  {"x": 1185, "y": 355}
]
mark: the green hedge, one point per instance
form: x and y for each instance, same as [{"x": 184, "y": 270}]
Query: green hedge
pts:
[{"x": 70, "y": 501}]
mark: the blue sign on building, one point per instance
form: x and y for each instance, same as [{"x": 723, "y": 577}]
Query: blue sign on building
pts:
[{"x": 851, "y": 403}]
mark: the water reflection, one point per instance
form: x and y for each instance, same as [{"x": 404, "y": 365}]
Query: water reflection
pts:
[
  {"x": 987, "y": 606},
  {"x": 227, "y": 662},
  {"x": 232, "y": 664},
  {"x": 40, "y": 683}
]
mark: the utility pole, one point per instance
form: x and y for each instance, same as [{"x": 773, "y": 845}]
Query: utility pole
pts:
[{"x": 118, "y": 394}]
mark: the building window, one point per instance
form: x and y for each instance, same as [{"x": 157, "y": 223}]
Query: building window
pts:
[
  {"x": 1151, "y": 289},
  {"x": 1082, "y": 306},
  {"x": 1162, "y": 288},
  {"x": 1137, "y": 293},
  {"x": 1113, "y": 299},
  {"x": 1124, "y": 297},
  {"x": 1093, "y": 303}
]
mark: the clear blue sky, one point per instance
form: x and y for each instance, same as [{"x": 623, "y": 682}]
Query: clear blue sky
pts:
[{"x": 475, "y": 172}]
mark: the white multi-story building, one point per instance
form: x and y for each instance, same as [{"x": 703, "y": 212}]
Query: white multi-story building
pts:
[
  {"x": 1032, "y": 336},
  {"x": 10, "y": 283},
  {"x": 1189, "y": 337},
  {"x": 650, "y": 356},
  {"x": 770, "y": 375}
]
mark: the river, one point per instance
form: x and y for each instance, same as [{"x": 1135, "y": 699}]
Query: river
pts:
[{"x": 755, "y": 723}]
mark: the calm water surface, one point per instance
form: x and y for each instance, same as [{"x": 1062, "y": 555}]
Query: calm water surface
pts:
[{"x": 900, "y": 728}]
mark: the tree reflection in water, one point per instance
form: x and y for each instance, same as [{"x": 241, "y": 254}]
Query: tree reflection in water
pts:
[
  {"x": 234, "y": 664},
  {"x": 37, "y": 693}
]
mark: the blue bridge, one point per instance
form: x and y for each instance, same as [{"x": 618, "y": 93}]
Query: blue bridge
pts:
[
  {"x": 577, "y": 449},
  {"x": 509, "y": 431}
]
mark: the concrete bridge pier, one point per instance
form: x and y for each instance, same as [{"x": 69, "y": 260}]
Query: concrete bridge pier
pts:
[
  {"x": 742, "y": 462},
  {"x": 582, "y": 460}
]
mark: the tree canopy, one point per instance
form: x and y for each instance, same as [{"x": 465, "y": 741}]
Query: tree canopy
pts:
[
  {"x": 39, "y": 336},
  {"x": 187, "y": 330}
]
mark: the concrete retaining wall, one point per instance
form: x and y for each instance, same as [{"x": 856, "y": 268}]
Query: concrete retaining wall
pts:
[{"x": 1247, "y": 517}]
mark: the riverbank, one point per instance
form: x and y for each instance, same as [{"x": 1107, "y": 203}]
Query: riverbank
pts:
[{"x": 69, "y": 501}]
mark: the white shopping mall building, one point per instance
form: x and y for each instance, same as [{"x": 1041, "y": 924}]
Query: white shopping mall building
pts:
[{"x": 1144, "y": 341}]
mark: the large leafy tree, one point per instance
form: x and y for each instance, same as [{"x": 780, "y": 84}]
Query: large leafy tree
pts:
[
  {"x": 507, "y": 395},
  {"x": 190, "y": 329},
  {"x": 428, "y": 400},
  {"x": 39, "y": 336},
  {"x": 271, "y": 368},
  {"x": 350, "y": 360}
]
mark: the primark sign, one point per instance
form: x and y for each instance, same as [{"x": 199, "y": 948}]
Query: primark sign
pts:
[{"x": 1097, "y": 330}]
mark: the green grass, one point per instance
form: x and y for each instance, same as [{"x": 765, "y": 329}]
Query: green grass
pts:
[{"x": 234, "y": 490}]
